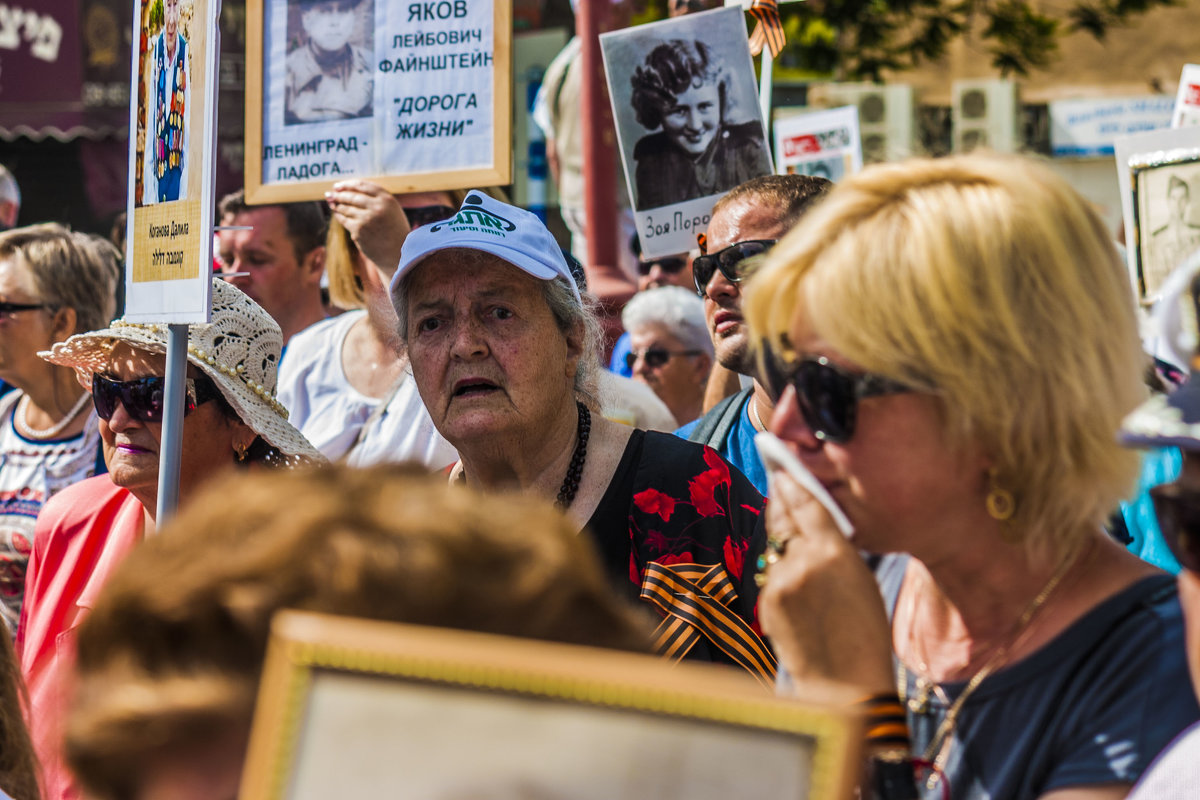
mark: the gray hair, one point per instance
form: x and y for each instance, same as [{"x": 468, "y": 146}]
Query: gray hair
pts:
[
  {"x": 570, "y": 314},
  {"x": 69, "y": 269},
  {"x": 678, "y": 310}
]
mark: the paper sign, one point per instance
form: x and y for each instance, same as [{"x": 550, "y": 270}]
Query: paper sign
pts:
[
  {"x": 173, "y": 116},
  {"x": 1088, "y": 127},
  {"x": 688, "y": 124},
  {"x": 1187, "y": 100},
  {"x": 825, "y": 144},
  {"x": 413, "y": 91}
]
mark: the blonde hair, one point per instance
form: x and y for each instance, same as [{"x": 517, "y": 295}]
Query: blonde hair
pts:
[
  {"x": 69, "y": 270},
  {"x": 168, "y": 665},
  {"x": 991, "y": 282}
]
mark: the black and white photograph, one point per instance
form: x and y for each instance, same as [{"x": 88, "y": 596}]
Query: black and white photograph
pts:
[
  {"x": 1168, "y": 219},
  {"x": 329, "y": 61},
  {"x": 685, "y": 101}
]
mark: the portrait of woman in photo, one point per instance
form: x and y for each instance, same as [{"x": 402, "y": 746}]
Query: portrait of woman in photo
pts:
[{"x": 679, "y": 94}]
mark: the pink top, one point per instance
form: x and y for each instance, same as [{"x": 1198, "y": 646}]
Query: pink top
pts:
[{"x": 82, "y": 534}]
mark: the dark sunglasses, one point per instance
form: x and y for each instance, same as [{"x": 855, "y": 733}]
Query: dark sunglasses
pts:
[
  {"x": 1178, "y": 512},
  {"x": 656, "y": 357},
  {"x": 727, "y": 260},
  {"x": 827, "y": 394},
  {"x": 668, "y": 265},
  {"x": 8, "y": 308},
  {"x": 427, "y": 215},
  {"x": 145, "y": 398}
]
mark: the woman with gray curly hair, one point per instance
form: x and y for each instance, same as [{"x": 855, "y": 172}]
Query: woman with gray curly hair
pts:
[
  {"x": 680, "y": 91},
  {"x": 670, "y": 349},
  {"x": 502, "y": 348}
]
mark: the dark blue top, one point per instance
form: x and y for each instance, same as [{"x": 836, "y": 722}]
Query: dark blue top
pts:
[
  {"x": 1093, "y": 706},
  {"x": 738, "y": 448}
]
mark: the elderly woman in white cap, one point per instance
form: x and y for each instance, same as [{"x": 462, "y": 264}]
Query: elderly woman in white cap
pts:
[
  {"x": 231, "y": 417},
  {"x": 502, "y": 349}
]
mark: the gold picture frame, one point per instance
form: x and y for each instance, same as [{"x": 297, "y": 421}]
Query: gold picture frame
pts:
[
  {"x": 290, "y": 159},
  {"x": 356, "y": 708}
]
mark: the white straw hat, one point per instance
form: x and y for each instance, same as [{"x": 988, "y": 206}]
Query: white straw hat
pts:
[{"x": 239, "y": 350}]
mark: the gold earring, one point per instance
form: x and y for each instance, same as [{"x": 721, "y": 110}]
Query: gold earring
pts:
[
  {"x": 241, "y": 451},
  {"x": 1001, "y": 504}
]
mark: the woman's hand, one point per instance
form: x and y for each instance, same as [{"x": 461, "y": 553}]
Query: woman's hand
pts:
[
  {"x": 374, "y": 218},
  {"x": 820, "y": 605}
]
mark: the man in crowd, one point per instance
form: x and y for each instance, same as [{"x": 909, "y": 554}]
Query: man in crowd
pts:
[
  {"x": 10, "y": 199},
  {"x": 744, "y": 222},
  {"x": 279, "y": 261}
]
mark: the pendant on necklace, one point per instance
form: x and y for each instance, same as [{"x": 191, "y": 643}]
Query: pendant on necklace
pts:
[{"x": 918, "y": 703}]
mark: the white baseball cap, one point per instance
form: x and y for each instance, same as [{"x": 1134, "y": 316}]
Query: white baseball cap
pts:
[{"x": 484, "y": 223}]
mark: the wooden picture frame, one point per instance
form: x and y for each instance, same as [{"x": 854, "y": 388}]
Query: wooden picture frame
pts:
[
  {"x": 1166, "y": 197},
  {"x": 1145, "y": 164},
  {"x": 439, "y": 110},
  {"x": 356, "y": 708}
]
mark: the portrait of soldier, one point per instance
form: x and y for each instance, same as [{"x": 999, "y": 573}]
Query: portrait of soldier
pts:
[
  {"x": 168, "y": 99},
  {"x": 329, "y": 74},
  {"x": 1175, "y": 241}
]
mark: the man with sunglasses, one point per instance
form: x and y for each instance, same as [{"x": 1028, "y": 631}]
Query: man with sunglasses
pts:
[
  {"x": 279, "y": 261},
  {"x": 1174, "y": 421},
  {"x": 745, "y": 223}
]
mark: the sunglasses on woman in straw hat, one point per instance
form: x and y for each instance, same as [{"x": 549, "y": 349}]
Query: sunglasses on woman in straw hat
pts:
[{"x": 238, "y": 352}]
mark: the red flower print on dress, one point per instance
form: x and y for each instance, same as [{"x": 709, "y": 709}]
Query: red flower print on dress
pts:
[
  {"x": 676, "y": 558},
  {"x": 735, "y": 557},
  {"x": 717, "y": 464},
  {"x": 703, "y": 488},
  {"x": 652, "y": 501}
]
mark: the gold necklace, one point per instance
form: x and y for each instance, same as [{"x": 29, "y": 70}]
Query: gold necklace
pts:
[
  {"x": 938, "y": 751},
  {"x": 754, "y": 411}
]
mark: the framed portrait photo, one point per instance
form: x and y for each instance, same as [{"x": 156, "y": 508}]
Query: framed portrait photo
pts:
[
  {"x": 353, "y": 708},
  {"x": 414, "y": 96},
  {"x": 1159, "y": 175},
  {"x": 689, "y": 127},
  {"x": 172, "y": 112}
]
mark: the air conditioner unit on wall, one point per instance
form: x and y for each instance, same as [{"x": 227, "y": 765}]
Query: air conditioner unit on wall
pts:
[
  {"x": 885, "y": 117},
  {"x": 985, "y": 114}
]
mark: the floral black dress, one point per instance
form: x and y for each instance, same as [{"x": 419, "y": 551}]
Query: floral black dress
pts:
[{"x": 680, "y": 529}]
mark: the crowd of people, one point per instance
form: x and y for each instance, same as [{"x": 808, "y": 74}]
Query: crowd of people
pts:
[{"x": 401, "y": 411}]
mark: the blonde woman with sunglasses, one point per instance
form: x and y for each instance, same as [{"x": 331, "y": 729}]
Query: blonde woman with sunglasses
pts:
[{"x": 953, "y": 346}]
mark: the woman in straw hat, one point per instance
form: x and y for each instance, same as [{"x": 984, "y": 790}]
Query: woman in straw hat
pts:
[{"x": 231, "y": 417}]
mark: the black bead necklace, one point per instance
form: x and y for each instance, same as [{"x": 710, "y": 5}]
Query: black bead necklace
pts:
[{"x": 570, "y": 484}]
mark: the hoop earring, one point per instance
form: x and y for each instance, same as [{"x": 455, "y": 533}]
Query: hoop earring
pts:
[{"x": 1001, "y": 504}]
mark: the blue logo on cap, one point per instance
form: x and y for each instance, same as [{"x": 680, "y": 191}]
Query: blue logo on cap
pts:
[{"x": 476, "y": 217}]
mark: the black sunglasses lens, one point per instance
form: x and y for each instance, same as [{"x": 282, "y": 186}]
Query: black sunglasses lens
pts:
[
  {"x": 104, "y": 396},
  {"x": 1179, "y": 519},
  {"x": 703, "y": 268},
  {"x": 656, "y": 358},
  {"x": 630, "y": 360},
  {"x": 427, "y": 215},
  {"x": 827, "y": 400}
]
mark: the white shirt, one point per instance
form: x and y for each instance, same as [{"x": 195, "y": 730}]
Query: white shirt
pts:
[
  {"x": 1175, "y": 775},
  {"x": 338, "y": 419}
]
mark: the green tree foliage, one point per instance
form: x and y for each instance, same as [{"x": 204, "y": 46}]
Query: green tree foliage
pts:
[{"x": 860, "y": 39}]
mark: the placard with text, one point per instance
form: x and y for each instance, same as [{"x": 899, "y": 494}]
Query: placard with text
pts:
[
  {"x": 411, "y": 95},
  {"x": 172, "y": 119}
]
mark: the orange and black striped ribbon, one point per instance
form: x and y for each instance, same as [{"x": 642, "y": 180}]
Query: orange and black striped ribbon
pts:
[
  {"x": 696, "y": 598},
  {"x": 769, "y": 29}
]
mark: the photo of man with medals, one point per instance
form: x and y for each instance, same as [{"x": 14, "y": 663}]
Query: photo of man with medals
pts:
[{"x": 168, "y": 94}]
